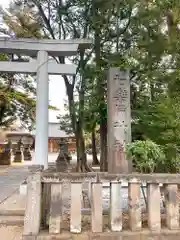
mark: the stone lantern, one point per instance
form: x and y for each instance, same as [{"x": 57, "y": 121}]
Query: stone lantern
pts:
[
  {"x": 14, "y": 140},
  {"x": 19, "y": 156},
  {"x": 63, "y": 145},
  {"x": 6, "y": 156},
  {"x": 21, "y": 142},
  {"x": 63, "y": 159},
  {"x": 27, "y": 143}
]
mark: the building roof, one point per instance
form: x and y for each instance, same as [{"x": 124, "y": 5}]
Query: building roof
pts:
[{"x": 13, "y": 130}]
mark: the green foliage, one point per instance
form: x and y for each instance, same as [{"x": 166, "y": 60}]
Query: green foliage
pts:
[
  {"x": 15, "y": 104},
  {"x": 23, "y": 24},
  {"x": 17, "y": 92},
  {"x": 146, "y": 156}
]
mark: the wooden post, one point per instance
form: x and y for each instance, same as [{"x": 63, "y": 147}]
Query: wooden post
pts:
[
  {"x": 119, "y": 120},
  {"x": 115, "y": 206},
  {"x": 134, "y": 206},
  {"x": 96, "y": 207},
  {"x": 153, "y": 199},
  {"x": 172, "y": 206},
  {"x": 33, "y": 205},
  {"x": 76, "y": 200},
  {"x": 51, "y": 145}
]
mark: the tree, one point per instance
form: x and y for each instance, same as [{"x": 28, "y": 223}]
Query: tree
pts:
[
  {"x": 15, "y": 101},
  {"x": 155, "y": 77},
  {"x": 18, "y": 91}
]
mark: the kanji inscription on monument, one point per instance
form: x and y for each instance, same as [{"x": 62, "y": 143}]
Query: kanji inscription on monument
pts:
[{"x": 119, "y": 119}]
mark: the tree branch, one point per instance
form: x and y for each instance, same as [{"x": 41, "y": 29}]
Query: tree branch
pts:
[{"x": 46, "y": 21}]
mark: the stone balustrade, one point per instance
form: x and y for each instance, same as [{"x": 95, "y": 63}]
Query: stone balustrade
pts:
[{"x": 46, "y": 192}]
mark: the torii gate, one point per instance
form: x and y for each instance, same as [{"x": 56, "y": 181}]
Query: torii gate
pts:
[{"x": 42, "y": 49}]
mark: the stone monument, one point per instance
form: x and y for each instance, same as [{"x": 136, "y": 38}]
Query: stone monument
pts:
[
  {"x": 27, "y": 141},
  {"x": 119, "y": 120}
]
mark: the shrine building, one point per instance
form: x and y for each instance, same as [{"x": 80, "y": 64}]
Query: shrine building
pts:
[{"x": 55, "y": 136}]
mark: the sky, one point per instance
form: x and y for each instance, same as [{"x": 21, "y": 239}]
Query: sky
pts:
[
  {"x": 4, "y": 2},
  {"x": 57, "y": 91}
]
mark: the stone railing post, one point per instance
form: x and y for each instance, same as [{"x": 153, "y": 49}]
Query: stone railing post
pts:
[
  {"x": 32, "y": 218},
  {"x": 154, "y": 211},
  {"x": 172, "y": 206},
  {"x": 135, "y": 222}
]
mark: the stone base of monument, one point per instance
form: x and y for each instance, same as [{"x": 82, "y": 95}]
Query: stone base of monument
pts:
[
  {"x": 18, "y": 157},
  {"x": 6, "y": 158},
  {"x": 27, "y": 155},
  {"x": 62, "y": 163},
  {"x": 61, "y": 166}
]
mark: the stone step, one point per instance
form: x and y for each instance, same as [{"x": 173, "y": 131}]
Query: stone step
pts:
[
  {"x": 144, "y": 234},
  {"x": 12, "y": 220},
  {"x": 12, "y": 213}
]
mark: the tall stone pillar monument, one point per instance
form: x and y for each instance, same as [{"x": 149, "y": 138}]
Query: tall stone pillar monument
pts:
[{"x": 119, "y": 120}]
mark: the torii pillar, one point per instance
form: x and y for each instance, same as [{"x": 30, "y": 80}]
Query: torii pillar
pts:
[{"x": 42, "y": 116}]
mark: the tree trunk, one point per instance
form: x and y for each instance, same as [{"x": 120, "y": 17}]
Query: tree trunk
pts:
[
  {"x": 2, "y": 112},
  {"x": 78, "y": 165},
  {"x": 83, "y": 157},
  {"x": 100, "y": 88},
  {"x": 77, "y": 127},
  {"x": 82, "y": 161},
  {"x": 94, "y": 152},
  {"x": 82, "y": 165},
  {"x": 103, "y": 147}
]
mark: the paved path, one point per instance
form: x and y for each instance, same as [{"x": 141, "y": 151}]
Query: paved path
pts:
[{"x": 11, "y": 179}]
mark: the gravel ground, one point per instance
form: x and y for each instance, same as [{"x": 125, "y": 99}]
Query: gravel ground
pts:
[
  {"x": 15, "y": 202},
  {"x": 10, "y": 232}
]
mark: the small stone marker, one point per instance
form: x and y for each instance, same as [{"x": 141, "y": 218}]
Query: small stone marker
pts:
[{"x": 32, "y": 217}]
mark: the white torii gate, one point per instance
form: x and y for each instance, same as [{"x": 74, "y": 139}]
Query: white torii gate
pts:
[{"x": 42, "y": 49}]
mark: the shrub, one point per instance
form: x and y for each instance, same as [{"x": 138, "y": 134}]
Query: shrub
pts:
[{"x": 146, "y": 156}]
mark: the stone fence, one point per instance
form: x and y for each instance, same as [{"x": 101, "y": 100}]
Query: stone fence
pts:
[{"x": 45, "y": 218}]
